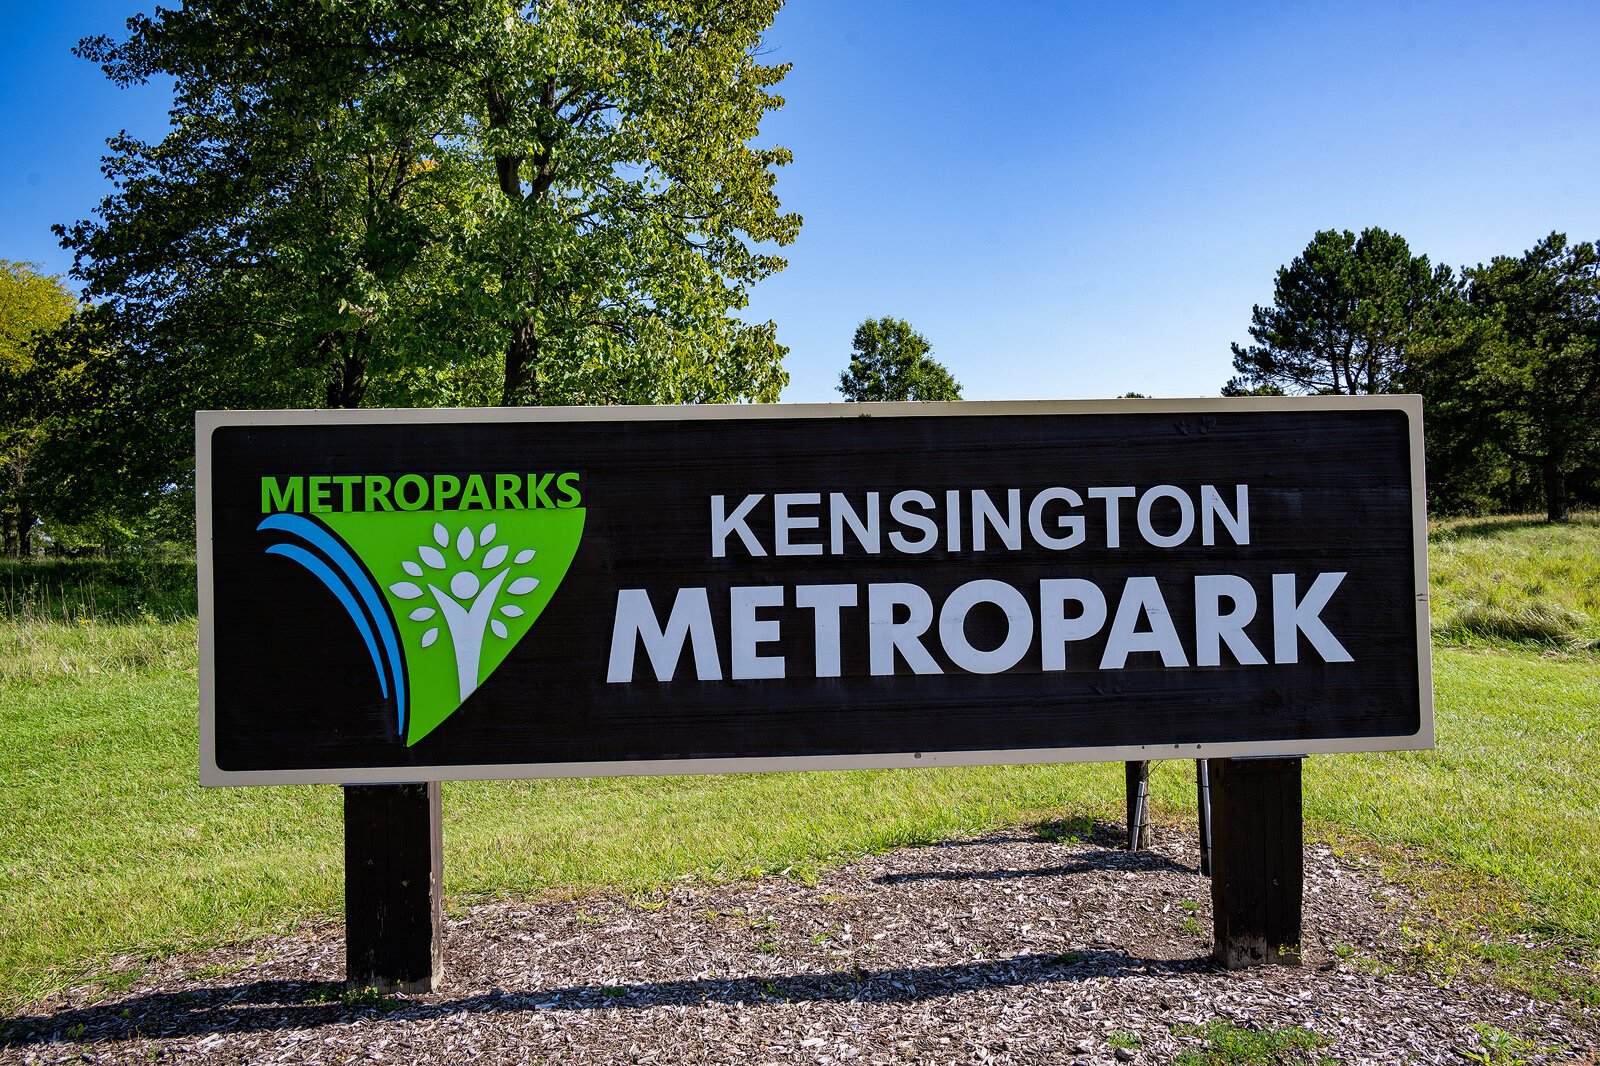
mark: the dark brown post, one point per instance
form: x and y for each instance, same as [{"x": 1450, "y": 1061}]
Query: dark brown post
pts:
[
  {"x": 1257, "y": 862},
  {"x": 393, "y": 887},
  {"x": 1137, "y": 778}
]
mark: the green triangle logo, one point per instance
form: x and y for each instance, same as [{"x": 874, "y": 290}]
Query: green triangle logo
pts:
[{"x": 454, "y": 591}]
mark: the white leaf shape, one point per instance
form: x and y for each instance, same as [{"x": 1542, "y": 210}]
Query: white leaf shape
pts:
[
  {"x": 412, "y": 568},
  {"x": 405, "y": 590},
  {"x": 523, "y": 585},
  {"x": 511, "y": 610},
  {"x": 487, "y": 535},
  {"x": 498, "y": 626},
  {"x": 464, "y": 543},
  {"x": 496, "y": 556},
  {"x": 431, "y": 556},
  {"x": 441, "y": 536},
  {"x": 430, "y": 636},
  {"x": 525, "y": 555},
  {"x": 422, "y": 614}
]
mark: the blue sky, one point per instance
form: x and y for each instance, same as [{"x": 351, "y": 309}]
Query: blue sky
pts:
[{"x": 1068, "y": 199}]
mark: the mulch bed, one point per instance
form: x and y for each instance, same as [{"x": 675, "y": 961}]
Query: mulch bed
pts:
[{"x": 1007, "y": 948}]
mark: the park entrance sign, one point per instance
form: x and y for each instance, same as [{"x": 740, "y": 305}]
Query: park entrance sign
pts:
[{"x": 392, "y": 596}]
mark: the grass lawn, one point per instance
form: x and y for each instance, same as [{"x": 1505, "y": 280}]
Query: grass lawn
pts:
[{"x": 108, "y": 846}]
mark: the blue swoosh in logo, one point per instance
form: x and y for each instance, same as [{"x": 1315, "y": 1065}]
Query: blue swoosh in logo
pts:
[{"x": 349, "y": 583}]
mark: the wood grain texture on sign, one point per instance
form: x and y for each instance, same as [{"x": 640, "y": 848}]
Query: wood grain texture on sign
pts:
[{"x": 290, "y": 686}]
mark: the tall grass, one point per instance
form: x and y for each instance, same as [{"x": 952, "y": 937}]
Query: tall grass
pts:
[
  {"x": 1515, "y": 580},
  {"x": 157, "y": 587}
]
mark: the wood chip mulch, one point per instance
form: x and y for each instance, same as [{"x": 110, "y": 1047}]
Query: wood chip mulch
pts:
[{"x": 1008, "y": 948}]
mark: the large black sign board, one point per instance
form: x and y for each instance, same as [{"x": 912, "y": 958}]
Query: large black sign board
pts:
[{"x": 416, "y": 595}]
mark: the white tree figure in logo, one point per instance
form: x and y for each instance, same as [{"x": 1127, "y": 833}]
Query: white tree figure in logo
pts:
[{"x": 467, "y": 601}]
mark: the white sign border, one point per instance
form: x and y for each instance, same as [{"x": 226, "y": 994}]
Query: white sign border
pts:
[{"x": 208, "y": 421}]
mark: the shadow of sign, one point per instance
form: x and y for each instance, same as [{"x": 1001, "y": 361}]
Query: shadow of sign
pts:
[{"x": 280, "y": 1006}]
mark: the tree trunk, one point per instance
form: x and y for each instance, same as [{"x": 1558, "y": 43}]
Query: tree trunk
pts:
[
  {"x": 522, "y": 365},
  {"x": 520, "y": 385},
  {"x": 347, "y": 371},
  {"x": 8, "y": 539},
  {"x": 1555, "y": 490},
  {"x": 25, "y": 521}
]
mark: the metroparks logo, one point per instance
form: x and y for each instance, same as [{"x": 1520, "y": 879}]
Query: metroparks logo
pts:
[{"x": 442, "y": 575}]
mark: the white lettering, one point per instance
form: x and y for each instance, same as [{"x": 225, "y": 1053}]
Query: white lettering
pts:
[
  {"x": 1290, "y": 619},
  {"x": 825, "y": 601},
  {"x": 690, "y": 620},
  {"x": 1212, "y": 628},
  {"x": 1142, "y": 595},
  {"x": 985, "y": 513},
  {"x": 1113, "y": 518},
  {"x": 899, "y": 510},
  {"x": 886, "y": 636},
  {"x": 1055, "y": 628},
  {"x": 953, "y": 627},
  {"x": 746, "y": 631},
  {"x": 785, "y": 523},
  {"x": 842, "y": 513},
  {"x": 1074, "y": 522},
  {"x": 1211, "y": 508},
  {"x": 722, "y": 524},
  {"x": 1185, "y": 516}
]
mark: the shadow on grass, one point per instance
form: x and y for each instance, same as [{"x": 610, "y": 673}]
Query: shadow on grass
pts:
[{"x": 267, "y": 1006}]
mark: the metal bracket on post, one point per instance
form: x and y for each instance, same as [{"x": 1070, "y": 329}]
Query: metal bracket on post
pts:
[
  {"x": 1258, "y": 862},
  {"x": 1137, "y": 775},
  {"x": 1202, "y": 787},
  {"x": 393, "y": 887}
]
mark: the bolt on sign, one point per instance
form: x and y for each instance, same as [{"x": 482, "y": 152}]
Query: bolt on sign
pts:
[{"x": 420, "y": 595}]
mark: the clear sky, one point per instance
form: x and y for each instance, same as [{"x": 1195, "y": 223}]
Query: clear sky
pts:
[{"x": 1068, "y": 199}]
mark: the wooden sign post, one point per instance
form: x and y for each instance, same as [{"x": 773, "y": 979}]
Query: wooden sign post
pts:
[
  {"x": 1257, "y": 862},
  {"x": 393, "y": 887},
  {"x": 391, "y": 597}
]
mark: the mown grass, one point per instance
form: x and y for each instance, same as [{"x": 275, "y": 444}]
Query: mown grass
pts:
[
  {"x": 1509, "y": 795},
  {"x": 108, "y": 846},
  {"x": 1495, "y": 828}
]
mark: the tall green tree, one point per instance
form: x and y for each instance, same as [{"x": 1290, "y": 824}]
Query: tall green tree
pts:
[
  {"x": 892, "y": 361},
  {"x": 1531, "y": 380},
  {"x": 282, "y": 244},
  {"x": 33, "y": 308},
  {"x": 467, "y": 201},
  {"x": 632, "y": 208},
  {"x": 1345, "y": 316}
]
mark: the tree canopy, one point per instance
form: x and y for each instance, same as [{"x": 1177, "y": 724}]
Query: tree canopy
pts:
[
  {"x": 50, "y": 400},
  {"x": 891, "y": 361},
  {"x": 1344, "y": 318},
  {"x": 1506, "y": 357},
  {"x": 1533, "y": 386},
  {"x": 31, "y": 305},
  {"x": 396, "y": 202}
]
